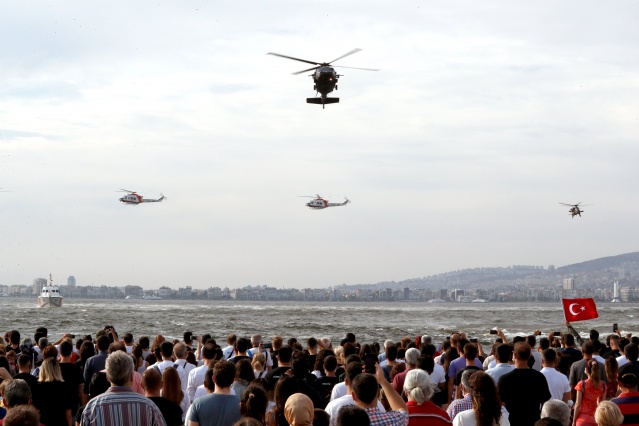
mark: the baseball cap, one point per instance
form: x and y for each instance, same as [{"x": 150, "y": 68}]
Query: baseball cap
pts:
[{"x": 628, "y": 375}]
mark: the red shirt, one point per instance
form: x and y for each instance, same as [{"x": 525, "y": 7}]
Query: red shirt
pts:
[
  {"x": 427, "y": 414},
  {"x": 629, "y": 405}
]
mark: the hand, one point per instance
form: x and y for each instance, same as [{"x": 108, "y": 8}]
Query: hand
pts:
[
  {"x": 537, "y": 332},
  {"x": 379, "y": 374},
  {"x": 5, "y": 374},
  {"x": 568, "y": 324}
]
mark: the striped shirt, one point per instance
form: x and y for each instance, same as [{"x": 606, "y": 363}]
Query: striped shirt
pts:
[
  {"x": 629, "y": 405},
  {"x": 459, "y": 405},
  {"x": 118, "y": 406},
  {"x": 389, "y": 418}
]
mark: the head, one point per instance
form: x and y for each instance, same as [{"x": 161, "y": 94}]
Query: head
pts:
[
  {"x": 258, "y": 362},
  {"x": 612, "y": 368},
  {"x": 486, "y": 402},
  {"x": 244, "y": 370},
  {"x": 284, "y": 388},
  {"x": 23, "y": 415},
  {"x": 231, "y": 339},
  {"x": 628, "y": 377},
  {"x": 608, "y": 414},
  {"x": 16, "y": 392},
  {"x": 24, "y": 363},
  {"x": 593, "y": 371},
  {"x": 117, "y": 346},
  {"x": 418, "y": 386},
  {"x": 569, "y": 340},
  {"x": 470, "y": 352},
  {"x": 522, "y": 351},
  {"x": 631, "y": 351},
  {"x": 66, "y": 348},
  {"x": 87, "y": 350},
  {"x": 144, "y": 342},
  {"x": 465, "y": 379},
  {"x": 285, "y": 354},
  {"x": 119, "y": 368},
  {"x": 412, "y": 357},
  {"x": 14, "y": 337},
  {"x": 352, "y": 415},
  {"x": 277, "y": 343},
  {"x": 223, "y": 374},
  {"x": 103, "y": 343},
  {"x": 242, "y": 345},
  {"x": 166, "y": 349},
  {"x": 549, "y": 358},
  {"x": 152, "y": 381},
  {"x": 179, "y": 350},
  {"x": 330, "y": 363},
  {"x": 50, "y": 351},
  {"x": 558, "y": 410},
  {"x": 365, "y": 390},
  {"x": 256, "y": 340},
  {"x": 504, "y": 353},
  {"x": 253, "y": 402},
  {"x": 299, "y": 410},
  {"x": 391, "y": 353},
  {"x": 50, "y": 371}
]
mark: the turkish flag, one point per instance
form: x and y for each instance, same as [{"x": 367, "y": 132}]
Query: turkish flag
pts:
[{"x": 579, "y": 309}]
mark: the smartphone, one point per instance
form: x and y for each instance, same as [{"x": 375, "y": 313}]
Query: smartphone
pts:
[
  {"x": 615, "y": 327},
  {"x": 369, "y": 363},
  {"x": 473, "y": 340},
  {"x": 267, "y": 346},
  {"x": 72, "y": 336},
  {"x": 493, "y": 332}
]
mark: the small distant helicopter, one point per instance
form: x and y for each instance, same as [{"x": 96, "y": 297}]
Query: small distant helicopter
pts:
[
  {"x": 324, "y": 77},
  {"x": 319, "y": 203},
  {"x": 133, "y": 198},
  {"x": 574, "y": 209}
]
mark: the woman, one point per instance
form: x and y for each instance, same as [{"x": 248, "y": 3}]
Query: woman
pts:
[
  {"x": 298, "y": 410},
  {"x": 139, "y": 363},
  {"x": 318, "y": 368},
  {"x": 608, "y": 414},
  {"x": 421, "y": 411},
  {"x": 52, "y": 398},
  {"x": 590, "y": 393},
  {"x": 259, "y": 366},
  {"x": 243, "y": 375},
  {"x": 487, "y": 409},
  {"x": 87, "y": 350},
  {"x": 253, "y": 403},
  {"x": 612, "y": 368},
  {"x": 285, "y": 387},
  {"x": 172, "y": 389}
]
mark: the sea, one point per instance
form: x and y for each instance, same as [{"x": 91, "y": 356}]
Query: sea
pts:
[{"x": 369, "y": 321}]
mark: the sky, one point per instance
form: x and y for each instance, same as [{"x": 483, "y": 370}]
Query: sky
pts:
[{"x": 483, "y": 117}]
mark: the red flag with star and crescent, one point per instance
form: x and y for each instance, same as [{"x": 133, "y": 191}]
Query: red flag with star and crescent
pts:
[{"x": 579, "y": 309}]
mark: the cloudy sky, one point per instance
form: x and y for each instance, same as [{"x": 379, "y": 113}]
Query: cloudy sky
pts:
[{"x": 482, "y": 118}]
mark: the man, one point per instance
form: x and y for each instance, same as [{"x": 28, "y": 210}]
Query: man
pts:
[
  {"x": 230, "y": 341},
  {"x": 536, "y": 355},
  {"x": 256, "y": 342},
  {"x": 503, "y": 355},
  {"x": 196, "y": 375},
  {"x": 613, "y": 346},
  {"x": 24, "y": 373},
  {"x": 181, "y": 365},
  {"x": 465, "y": 403},
  {"x": 16, "y": 393},
  {"x": 241, "y": 347},
  {"x": 152, "y": 384},
  {"x": 557, "y": 383},
  {"x": 299, "y": 368},
  {"x": 630, "y": 354},
  {"x": 523, "y": 390},
  {"x": 353, "y": 370},
  {"x": 96, "y": 362},
  {"x": 457, "y": 365},
  {"x": 412, "y": 360},
  {"x": 219, "y": 408},
  {"x": 470, "y": 353},
  {"x": 628, "y": 401},
  {"x": 119, "y": 404},
  {"x": 324, "y": 384},
  {"x": 390, "y": 359},
  {"x": 283, "y": 365},
  {"x": 557, "y": 410},
  {"x": 577, "y": 369},
  {"x": 311, "y": 350},
  {"x": 381, "y": 357},
  {"x": 352, "y": 415},
  {"x": 128, "y": 342},
  {"x": 570, "y": 352},
  {"x": 166, "y": 350},
  {"x": 23, "y": 415},
  {"x": 14, "y": 341},
  {"x": 366, "y": 394},
  {"x": 72, "y": 376}
]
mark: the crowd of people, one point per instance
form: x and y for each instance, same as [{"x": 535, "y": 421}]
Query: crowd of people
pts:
[{"x": 558, "y": 379}]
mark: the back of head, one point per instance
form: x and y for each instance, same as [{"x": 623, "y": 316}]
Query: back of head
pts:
[
  {"x": 103, "y": 343},
  {"x": 330, "y": 363},
  {"x": 14, "y": 336},
  {"x": 166, "y": 349},
  {"x": 547, "y": 421},
  {"x": 426, "y": 363},
  {"x": 144, "y": 342},
  {"x": 349, "y": 349},
  {"x": 242, "y": 345},
  {"x": 208, "y": 351},
  {"x": 353, "y": 370},
  {"x": 119, "y": 368},
  {"x": 470, "y": 351},
  {"x": 50, "y": 351},
  {"x": 569, "y": 339},
  {"x": 24, "y": 361},
  {"x": 66, "y": 348},
  {"x": 588, "y": 348},
  {"x": 522, "y": 351},
  {"x": 365, "y": 388},
  {"x": 151, "y": 379},
  {"x": 117, "y": 346},
  {"x": 485, "y": 399},
  {"x": 179, "y": 350},
  {"x": 253, "y": 402},
  {"x": 285, "y": 354},
  {"x": 594, "y": 334},
  {"x": 428, "y": 349},
  {"x": 628, "y": 376},
  {"x": 50, "y": 371},
  {"x": 298, "y": 409},
  {"x": 352, "y": 415},
  {"x": 608, "y": 414},
  {"x": 631, "y": 351},
  {"x": 224, "y": 373},
  {"x": 412, "y": 357},
  {"x": 504, "y": 353},
  {"x": 350, "y": 337},
  {"x": 531, "y": 340},
  {"x": 256, "y": 339},
  {"x": 418, "y": 386},
  {"x": 128, "y": 338},
  {"x": 391, "y": 353},
  {"x": 321, "y": 418},
  {"x": 556, "y": 409},
  {"x": 284, "y": 388},
  {"x": 23, "y": 415},
  {"x": 300, "y": 368},
  {"x": 16, "y": 392},
  {"x": 549, "y": 356}
]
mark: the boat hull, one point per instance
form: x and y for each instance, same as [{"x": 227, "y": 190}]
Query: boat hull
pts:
[{"x": 50, "y": 302}]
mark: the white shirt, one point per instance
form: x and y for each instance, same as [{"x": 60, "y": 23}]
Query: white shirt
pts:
[
  {"x": 183, "y": 369},
  {"x": 227, "y": 351},
  {"x": 488, "y": 360},
  {"x": 439, "y": 375},
  {"x": 253, "y": 351},
  {"x": 196, "y": 378},
  {"x": 161, "y": 365},
  {"x": 499, "y": 370},
  {"x": 537, "y": 355},
  {"x": 467, "y": 418},
  {"x": 333, "y": 407},
  {"x": 557, "y": 383},
  {"x": 339, "y": 390},
  {"x": 621, "y": 360}
]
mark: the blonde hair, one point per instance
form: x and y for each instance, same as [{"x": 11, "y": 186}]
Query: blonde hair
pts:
[
  {"x": 259, "y": 362},
  {"x": 339, "y": 354},
  {"x": 608, "y": 414},
  {"x": 50, "y": 371}
]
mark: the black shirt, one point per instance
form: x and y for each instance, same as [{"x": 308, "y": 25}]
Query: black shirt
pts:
[
  {"x": 31, "y": 381},
  {"x": 523, "y": 391},
  {"x": 275, "y": 375},
  {"x": 53, "y": 401},
  {"x": 170, "y": 410},
  {"x": 72, "y": 375}
]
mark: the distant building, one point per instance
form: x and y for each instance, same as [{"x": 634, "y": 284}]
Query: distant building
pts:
[
  {"x": 457, "y": 293},
  {"x": 71, "y": 281},
  {"x": 443, "y": 294},
  {"x": 38, "y": 283},
  {"x": 569, "y": 284}
]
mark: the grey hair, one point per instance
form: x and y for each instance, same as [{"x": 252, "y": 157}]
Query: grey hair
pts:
[
  {"x": 17, "y": 392},
  {"x": 119, "y": 368},
  {"x": 556, "y": 409},
  {"x": 412, "y": 357},
  {"x": 418, "y": 386},
  {"x": 466, "y": 377},
  {"x": 256, "y": 339},
  {"x": 388, "y": 344}
]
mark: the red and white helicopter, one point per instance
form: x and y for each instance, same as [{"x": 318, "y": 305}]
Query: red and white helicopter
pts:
[
  {"x": 133, "y": 198},
  {"x": 319, "y": 203}
]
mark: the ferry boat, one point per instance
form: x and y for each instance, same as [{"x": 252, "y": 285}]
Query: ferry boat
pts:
[
  {"x": 50, "y": 296},
  {"x": 436, "y": 301}
]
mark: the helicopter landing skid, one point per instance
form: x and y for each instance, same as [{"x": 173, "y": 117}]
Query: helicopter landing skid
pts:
[{"x": 322, "y": 101}]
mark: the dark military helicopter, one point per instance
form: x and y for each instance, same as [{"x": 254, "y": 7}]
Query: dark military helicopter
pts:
[
  {"x": 324, "y": 77},
  {"x": 574, "y": 209}
]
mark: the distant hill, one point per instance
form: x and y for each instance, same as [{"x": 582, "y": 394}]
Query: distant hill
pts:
[{"x": 599, "y": 264}]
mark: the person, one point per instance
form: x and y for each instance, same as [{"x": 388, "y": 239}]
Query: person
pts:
[
  {"x": 608, "y": 414},
  {"x": 321, "y": 418},
  {"x": 324, "y": 385},
  {"x": 590, "y": 393},
  {"x": 352, "y": 415},
  {"x": 284, "y": 388},
  {"x": 120, "y": 404},
  {"x": 241, "y": 348},
  {"x": 87, "y": 350},
  {"x": 578, "y": 369},
  {"x": 569, "y": 351},
  {"x": 247, "y": 421},
  {"x": 256, "y": 342},
  {"x": 196, "y": 375},
  {"x": 127, "y": 339},
  {"x": 284, "y": 357},
  {"x": 523, "y": 390},
  {"x": 558, "y": 410},
  {"x": 16, "y": 393},
  {"x": 412, "y": 360},
  {"x": 229, "y": 349},
  {"x": 243, "y": 376},
  {"x": 628, "y": 400},
  {"x": 140, "y": 363},
  {"x": 470, "y": 354},
  {"x": 181, "y": 365},
  {"x": 487, "y": 409},
  {"x": 457, "y": 365},
  {"x": 96, "y": 362},
  {"x": 612, "y": 368},
  {"x": 535, "y": 354},
  {"x": 630, "y": 354},
  {"x": 24, "y": 368},
  {"x": 219, "y": 407},
  {"x": 300, "y": 372},
  {"x": 53, "y": 399},
  {"x": 465, "y": 403},
  {"x": 366, "y": 392},
  {"x": 166, "y": 352},
  {"x": 557, "y": 383},
  {"x": 172, "y": 389},
  {"x": 259, "y": 366},
  {"x": 72, "y": 376},
  {"x": 152, "y": 384},
  {"x": 298, "y": 410},
  {"x": 419, "y": 389},
  {"x": 24, "y": 415},
  {"x": 254, "y": 402}
]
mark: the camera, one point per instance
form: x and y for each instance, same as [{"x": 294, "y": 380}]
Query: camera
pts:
[
  {"x": 615, "y": 327},
  {"x": 267, "y": 346},
  {"x": 473, "y": 340},
  {"x": 369, "y": 363},
  {"x": 493, "y": 331}
]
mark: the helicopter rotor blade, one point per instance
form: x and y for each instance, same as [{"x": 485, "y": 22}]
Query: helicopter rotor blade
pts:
[
  {"x": 352, "y": 52},
  {"x": 126, "y": 190},
  {"x": 566, "y": 204},
  {"x": 295, "y": 59},
  {"x": 303, "y": 71},
  {"x": 355, "y": 68}
]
